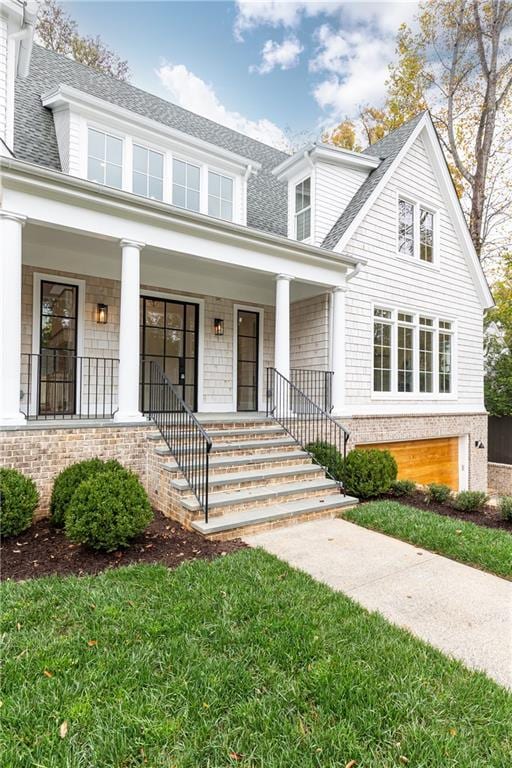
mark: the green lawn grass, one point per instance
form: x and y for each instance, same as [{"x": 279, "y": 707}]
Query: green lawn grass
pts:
[
  {"x": 241, "y": 661},
  {"x": 487, "y": 548}
]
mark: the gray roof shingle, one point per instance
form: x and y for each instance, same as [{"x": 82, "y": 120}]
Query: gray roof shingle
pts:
[
  {"x": 35, "y": 140},
  {"x": 387, "y": 150}
]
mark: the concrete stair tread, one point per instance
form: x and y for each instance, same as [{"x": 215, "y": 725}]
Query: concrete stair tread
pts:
[
  {"x": 280, "y": 511},
  {"x": 255, "y": 474},
  {"x": 242, "y": 446},
  {"x": 218, "y": 462},
  {"x": 260, "y": 492}
]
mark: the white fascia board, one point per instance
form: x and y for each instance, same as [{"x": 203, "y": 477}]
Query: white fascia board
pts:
[
  {"x": 44, "y": 182},
  {"x": 334, "y": 155},
  {"x": 65, "y": 96}
]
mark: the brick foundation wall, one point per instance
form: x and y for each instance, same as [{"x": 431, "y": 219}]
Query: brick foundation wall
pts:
[
  {"x": 500, "y": 478},
  {"x": 41, "y": 453}
]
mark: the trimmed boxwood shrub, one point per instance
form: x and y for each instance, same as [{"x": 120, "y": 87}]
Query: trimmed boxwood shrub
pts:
[
  {"x": 327, "y": 456},
  {"x": 108, "y": 510},
  {"x": 437, "y": 493},
  {"x": 69, "y": 479},
  {"x": 18, "y": 500},
  {"x": 505, "y": 507},
  {"x": 469, "y": 501},
  {"x": 369, "y": 473},
  {"x": 403, "y": 488}
]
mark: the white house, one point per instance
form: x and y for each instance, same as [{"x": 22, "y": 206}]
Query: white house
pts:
[{"x": 132, "y": 230}]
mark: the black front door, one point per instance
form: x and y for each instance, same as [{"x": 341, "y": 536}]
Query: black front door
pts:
[
  {"x": 247, "y": 360},
  {"x": 169, "y": 336},
  {"x": 58, "y": 347}
]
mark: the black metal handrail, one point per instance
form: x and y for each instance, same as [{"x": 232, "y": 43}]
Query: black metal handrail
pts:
[
  {"x": 186, "y": 439},
  {"x": 57, "y": 384},
  {"x": 302, "y": 418},
  {"x": 316, "y": 385}
]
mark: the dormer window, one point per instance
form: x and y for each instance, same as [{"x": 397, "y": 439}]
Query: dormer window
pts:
[
  {"x": 220, "y": 196},
  {"x": 148, "y": 172},
  {"x": 105, "y": 158},
  {"x": 185, "y": 185},
  {"x": 303, "y": 209}
]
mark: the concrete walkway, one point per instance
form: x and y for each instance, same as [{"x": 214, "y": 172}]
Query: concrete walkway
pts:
[{"x": 460, "y": 610}]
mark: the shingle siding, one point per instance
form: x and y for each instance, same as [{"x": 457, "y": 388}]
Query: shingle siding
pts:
[{"x": 36, "y": 141}]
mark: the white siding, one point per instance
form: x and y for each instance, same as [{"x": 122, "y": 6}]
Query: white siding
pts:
[
  {"x": 446, "y": 291},
  {"x": 61, "y": 120},
  {"x": 309, "y": 333},
  {"x": 335, "y": 186},
  {"x": 3, "y": 78}
]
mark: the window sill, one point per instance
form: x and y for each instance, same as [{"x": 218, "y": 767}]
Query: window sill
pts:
[{"x": 423, "y": 396}]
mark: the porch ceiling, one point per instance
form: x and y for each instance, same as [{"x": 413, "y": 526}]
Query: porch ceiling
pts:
[{"x": 48, "y": 248}]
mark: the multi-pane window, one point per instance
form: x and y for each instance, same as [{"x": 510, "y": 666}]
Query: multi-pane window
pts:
[
  {"x": 105, "y": 158},
  {"x": 148, "y": 172},
  {"x": 220, "y": 196},
  {"x": 426, "y": 340},
  {"x": 426, "y": 235},
  {"x": 303, "y": 210},
  {"x": 445, "y": 356},
  {"x": 185, "y": 185},
  {"x": 406, "y": 227},
  {"x": 382, "y": 329},
  {"x": 405, "y": 347}
]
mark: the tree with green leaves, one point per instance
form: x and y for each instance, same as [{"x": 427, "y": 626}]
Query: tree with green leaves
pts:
[
  {"x": 498, "y": 345},
  {"x": 57, "y": 31}
]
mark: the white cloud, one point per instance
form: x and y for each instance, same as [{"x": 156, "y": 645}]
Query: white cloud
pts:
[
  {"x": 357, "y": 69},
  {"x": 283, "y": 55},
  {"x": 286, "y": 13},
  {"x": 188, "y": 90}
]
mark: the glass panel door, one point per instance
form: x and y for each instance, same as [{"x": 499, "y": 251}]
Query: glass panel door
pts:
[
  {"x": 58, "y": 339},
  {"x": 169, "y": 336},
  {"x": 247, "y": 360}
]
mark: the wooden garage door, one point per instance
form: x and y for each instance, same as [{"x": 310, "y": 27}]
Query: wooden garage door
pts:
[{"x": 425, "y": 461}]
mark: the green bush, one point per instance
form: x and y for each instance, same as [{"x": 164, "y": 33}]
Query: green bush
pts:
[
  {"x": 328, "y": 457},
  {"x": 369, "y": 473},
  {"x": 437, "y": 493},
  {"x": 69, "y": 479},
  {"x": 505, "y": 507},
  {"x": 108, "y": 510},
  {"x": 18, "y": 500},
  {"x": 469, "y": 501},
  {"x": 403, "y": 488}
]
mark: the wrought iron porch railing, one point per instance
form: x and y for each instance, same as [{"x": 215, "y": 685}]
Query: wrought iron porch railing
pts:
[
  {"x": 316, "y": 385},
  {"x": 56, "y": 384},
  {"x": 302, "y": 418},
  {"x": 185, "y": 437}
]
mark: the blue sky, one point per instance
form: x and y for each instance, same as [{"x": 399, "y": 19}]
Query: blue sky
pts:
[{"x": 269, "y": 69}]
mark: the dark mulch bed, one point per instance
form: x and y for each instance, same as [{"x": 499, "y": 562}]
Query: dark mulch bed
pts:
[
  {"x": 489, "y": 517},
  {"x": 43, "y": 550}
]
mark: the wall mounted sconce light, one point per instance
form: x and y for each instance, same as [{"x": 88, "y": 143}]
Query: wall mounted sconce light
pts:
[
  {"x": 218, "y": 326},
  {"x": 101, "y": 314},
  {"x": 479, "y": 444}
]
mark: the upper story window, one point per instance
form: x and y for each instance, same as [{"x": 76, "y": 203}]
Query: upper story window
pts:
[
  {"x": 412, "y": 353},
  {"x": 148, "y": 172},
  {"x": 415, "y": 231},
  {"x": 186, "y": 185},
  {"x": 105, "y": 158},
  {"x": 220, "y": 196},
  {"x": 303, "y": 210}
]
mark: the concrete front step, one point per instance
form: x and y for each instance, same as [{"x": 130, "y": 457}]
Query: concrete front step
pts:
[
  {"x": 245, "y": 479},
  {"x": 221, "y": 501},
  {"x": 251, "y": 433},
  {"x": 257, "y": 461},
  {"x": 238, "y": 522},
  {"x": 247, "y": 445}
]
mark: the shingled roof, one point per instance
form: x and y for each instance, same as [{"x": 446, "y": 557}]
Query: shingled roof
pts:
[
  {"x": 35, "y": 140},
  {"x": 387, "y": 149}
]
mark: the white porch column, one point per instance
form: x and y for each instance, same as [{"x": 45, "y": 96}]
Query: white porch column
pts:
[
  {"x": 338, "y": 349},
  {"x": 11, "y": 225},
  {"x": 129, "y": 353},
  {"x": 282, "y": 325}
]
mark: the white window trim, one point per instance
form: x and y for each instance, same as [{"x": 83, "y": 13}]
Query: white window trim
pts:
[
  {"x": 203, "y": 174},
  {"x": 310, "y": 208},
  {"x": 394, "y": 394},
  {"x": 149, "y": 148},
  {"x": 236, "y": 190},
  {"x": 126, "y": 153},
  {"x": 261, "y": 337},
  {"x": 418, "y": 203}
]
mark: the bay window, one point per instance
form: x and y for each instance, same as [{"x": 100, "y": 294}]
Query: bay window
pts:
[
  {"x": 303, "y": 210},
  {"x": 104, "y": 158},
  {"x": 185, "y": 185},
  {"x": 220, "y": 196},
  {"x": 148, "y": 172}
]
